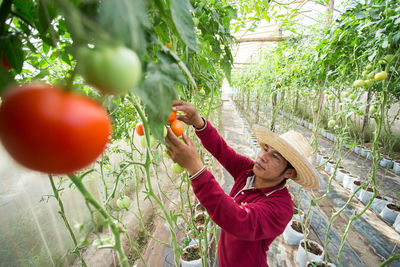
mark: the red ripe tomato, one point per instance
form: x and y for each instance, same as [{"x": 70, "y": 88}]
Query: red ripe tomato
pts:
[
  {"x": 139, "y": 129},
  {"x": 172, "y": 116},
  {"x": 5, "y": 63},
  {"x": 52, "y": 131},
  {"x": 177, "y": 127}
]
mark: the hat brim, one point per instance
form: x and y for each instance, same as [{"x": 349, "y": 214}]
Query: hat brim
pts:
[{"x": 307, "y": 175}]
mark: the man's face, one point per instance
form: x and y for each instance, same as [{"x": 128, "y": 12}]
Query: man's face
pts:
[{"x": 269, "y": 165}]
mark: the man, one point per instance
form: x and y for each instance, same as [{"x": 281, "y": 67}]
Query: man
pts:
[{"x": 259, "y": 206}]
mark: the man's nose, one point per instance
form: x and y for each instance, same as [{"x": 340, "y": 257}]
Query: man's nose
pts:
[{"x": 265, "y": 156}]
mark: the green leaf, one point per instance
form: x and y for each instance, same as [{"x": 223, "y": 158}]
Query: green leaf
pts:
[
  {"x": 181, "y": 15},
  {"x": 12, "y": 48},
  {"x": 65, "y": 58},
  {"x": 125, "y": 21},
  {"x": 157, "y": 93},
  {"x": 6, "y": 79}
]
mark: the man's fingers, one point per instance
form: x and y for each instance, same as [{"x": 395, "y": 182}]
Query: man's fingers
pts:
[
  {"x": 187, "y": 139},
  {"x": 171, "y": 138}
]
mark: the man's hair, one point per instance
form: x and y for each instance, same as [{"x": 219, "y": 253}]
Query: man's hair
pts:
[{"x": 288, "y": 166}]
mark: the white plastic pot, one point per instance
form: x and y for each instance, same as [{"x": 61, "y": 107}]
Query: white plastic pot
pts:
[
  {"x": 291, "y": 236},
  {"x": 299, "y": 216},
  {"x": 389, "y": 214},
  {"x": 378, "y": 204},
  {"x": 386, "y": 162},
  {"x": 193, "y": 263},
  {"x": 340, "y": 174},
  {"x": 329, "y": 264},
  {"x": 365, "y": 195},
  {"x": 396, "y": 223},
  {"x": 348, "y": 181},
  {"x": 396, "y": 166},
  {"x": 354, "y": 187},
  {"x": 302, "y": 258},
  {"x": 357, "y": 149},
  {"x": 364, "y": 152}
]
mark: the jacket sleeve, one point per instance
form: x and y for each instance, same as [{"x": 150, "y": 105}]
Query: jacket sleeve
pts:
[
  {"x": 233, "y": 162},
  {"x": 255, "y": 221}
]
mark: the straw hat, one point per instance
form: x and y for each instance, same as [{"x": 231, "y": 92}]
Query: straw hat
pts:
[{"x": 295, "y": 148}]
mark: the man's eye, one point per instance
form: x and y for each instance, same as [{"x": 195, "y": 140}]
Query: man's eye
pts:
[{"x": 276, "y": 157}]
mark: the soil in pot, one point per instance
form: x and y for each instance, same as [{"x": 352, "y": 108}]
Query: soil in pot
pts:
[
  {"x": 312, "y": 248},
  {"x": 297, "y": 227},
  {"x": 200, "y": 219},
  {"x": 394, "y": 207},
  {"x": 200, "y": 208},
  {"x": 191, "y": 253},
  {"x": 317, "y": 264}
]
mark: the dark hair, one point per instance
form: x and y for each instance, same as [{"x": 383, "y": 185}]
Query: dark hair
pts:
[{"x": 288, "y": 166}]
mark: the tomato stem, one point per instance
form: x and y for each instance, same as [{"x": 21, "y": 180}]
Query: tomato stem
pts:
[
  {"x": 62, "y": 214},
  {"x": 113, "y": 227}
]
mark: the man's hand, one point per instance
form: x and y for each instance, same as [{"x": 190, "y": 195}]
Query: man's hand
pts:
[
  {"x": 190, "y": 116},
  {"x": 185, "y": 154}
]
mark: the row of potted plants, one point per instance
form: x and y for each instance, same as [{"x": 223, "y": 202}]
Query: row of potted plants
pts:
[
  {"x": 385, "y": 161},
  {"x": 191, "y": 254},
  {"x": 309, "y": 253},
  {"x": 384, "y": 205}
]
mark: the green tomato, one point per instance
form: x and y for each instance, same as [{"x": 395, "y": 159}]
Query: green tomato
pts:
[
  {"x": 112, "y": 70},
  {"x": 196, "y": 21},
  {"x": 369, "y": 67},
  {"x": 165, "y": 154},
  {"x": 143, "y": 141},
  {"x": 331, "y": 123},
  {"x": 371, "y": 75},
  {"x": 358, "y": 83},
  {"x": 165, "y": 132},
  {"x": 176, "y": 168},
  {"x": 382, "y": 62},
  {"x": 347, "y": 93},
  {"x": 364, "y": 73},
  {"x": 123, "y": 202},
  {"x": 372, "y": 109},
  {"x": 369, "y": 83},
  {"x": 202, "y": 92},
  {"x": 380, "y": 76},
  {"x": 353, "y": 96},
  {"x": 329, "y": 97}
]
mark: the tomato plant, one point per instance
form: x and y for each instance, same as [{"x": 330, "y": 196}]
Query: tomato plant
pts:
[
  {"x": 112, "y": 70},
  {"x": 52, "y": 131},
  {"x": 139, "y": 129},
  {"x": 123, "y": 202},
  {"x": 177, "y": 127}
]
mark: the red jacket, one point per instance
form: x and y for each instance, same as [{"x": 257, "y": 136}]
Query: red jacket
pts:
[{"x": 250, "y": 218}]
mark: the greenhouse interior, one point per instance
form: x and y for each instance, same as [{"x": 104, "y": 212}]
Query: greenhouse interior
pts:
[{"x": 200, "y": 133}]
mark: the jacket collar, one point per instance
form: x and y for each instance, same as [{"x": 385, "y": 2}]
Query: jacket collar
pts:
[{"x": 264, "y": 190}]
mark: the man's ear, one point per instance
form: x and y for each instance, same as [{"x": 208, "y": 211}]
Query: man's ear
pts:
[{"x": 290, "y": 173}]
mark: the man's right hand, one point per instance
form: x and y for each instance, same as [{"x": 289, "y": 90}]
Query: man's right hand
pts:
[{"x": 190, "y": 116}]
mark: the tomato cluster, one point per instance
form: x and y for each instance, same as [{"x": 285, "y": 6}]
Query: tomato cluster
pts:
[{"x": 50, "y": 130}]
